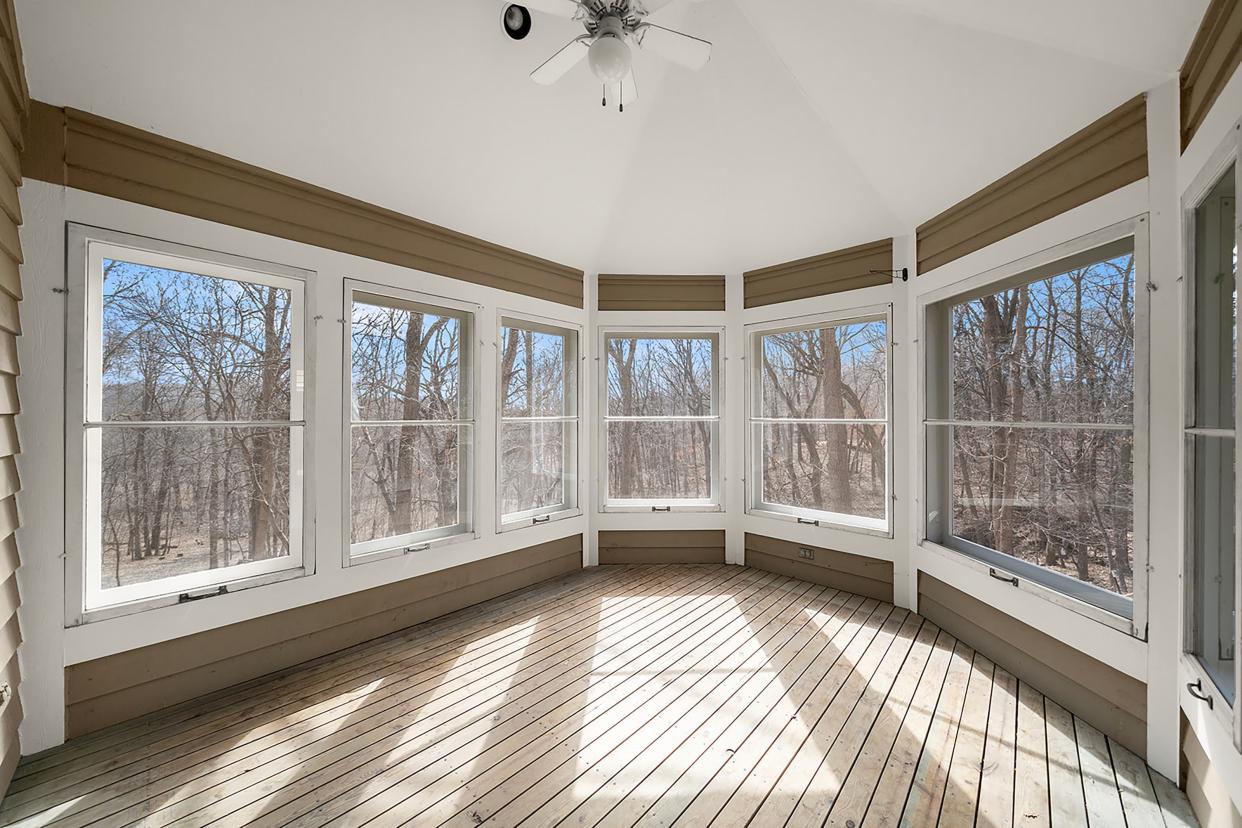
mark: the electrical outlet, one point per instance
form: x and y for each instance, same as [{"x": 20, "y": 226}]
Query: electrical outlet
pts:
[{"x": 804, "y": 552}]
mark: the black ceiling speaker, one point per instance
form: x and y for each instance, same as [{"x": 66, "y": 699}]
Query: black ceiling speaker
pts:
[{"x": 516, "y": 20}]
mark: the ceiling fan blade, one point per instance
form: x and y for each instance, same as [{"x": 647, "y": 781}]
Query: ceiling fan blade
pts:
[
  {"x": 691, "y": 52},
  {"x": 551, "y": 70},
  {"x": 560, "y": 8},
  {"x": 626, "y": 91}
]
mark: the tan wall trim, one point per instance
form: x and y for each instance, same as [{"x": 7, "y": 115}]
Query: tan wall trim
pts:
[
  {"x": 654, "y": 546},
  {"x": 1105, "y": 156},
  {"x": 1206, "y": 790},
  {"x": 115, "y": 688},
  {"x": 1103, "y": 696},
  {"x": 14, "y": 114},
  {"x": 842, "y": 570},
  {"x": 618, "y": 292},
  {"x": 107, "y": 157},
  {"x": 1210, "y": 62},
  {"x": 820, "y": 275}
]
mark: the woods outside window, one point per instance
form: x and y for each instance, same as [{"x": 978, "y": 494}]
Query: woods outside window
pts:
[
  {"x": 1036, "y": 422},
  {"x": 411, "y": 420},
  {"x": 538, "y": 440},
  {"x": 660, "y": 397},
  {"x": 191, "y": 409},
  {"x": 819, "y": 421}
]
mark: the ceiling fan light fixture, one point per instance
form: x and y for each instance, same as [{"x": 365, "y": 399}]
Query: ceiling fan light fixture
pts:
[{"x": 609, "y": 58}]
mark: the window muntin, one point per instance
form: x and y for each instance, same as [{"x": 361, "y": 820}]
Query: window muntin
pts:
[
  {"x": 1030, "y": 428},
  {"x": 192, "y": 431},
  {"x": 661, "y": 430},
  {"x": 819, "y": 422},
  {"x": 1211, "y": 438},
  {"x": 411, "y": 426},
  {"x": 538, "y": 440}
]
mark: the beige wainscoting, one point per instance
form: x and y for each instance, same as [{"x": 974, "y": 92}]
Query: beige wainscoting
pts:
[
  {"x": 115, "y": 688},
  {"x": 659, "y": 546},
  {"x": 81, "y": 150},
  {"x": 626, "y": 292},
  {"x": 1111, "y": 700},
  {"x": 1102, "y": 157},
  {"x": 1206, "y": 790},
  {"x": 864, "y": 265},
  {"x": 842, "y": 570}
]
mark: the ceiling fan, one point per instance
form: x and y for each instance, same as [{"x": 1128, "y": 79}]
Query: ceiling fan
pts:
[{"x": 613, "y": 29}]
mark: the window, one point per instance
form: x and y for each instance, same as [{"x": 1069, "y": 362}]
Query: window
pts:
[
  {"x": 192, "y": 421},
  {"x": 411, "y": 426},
  {"x": 819, "y": 422},
  {"x": 1211, "y": 450},
  {"x": 1031, "y": 422},
  {"x": 538, "y": 441},
  {"x": 661, "y": 420}
]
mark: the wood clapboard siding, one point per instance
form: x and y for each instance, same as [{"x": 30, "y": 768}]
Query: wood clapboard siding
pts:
[
  {"x": 655, "y": 546},
  {"x": 1210, "y": 62},
  {"x": 14, "y": 111},
  {"x": 1205, "y": 788},
  {"x": 1111, "y": 700},
  {"x": 820, "y": 275},
  {"x": 81, "y": 150},
  {"x": 113, "y": 689},
  {"x": 1105, "y": 156},
  {"x": 842, "y": 570},
  {"x": 623, "y": 292}
]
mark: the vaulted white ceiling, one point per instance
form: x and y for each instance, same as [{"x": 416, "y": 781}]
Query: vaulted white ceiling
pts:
[{"x": 817, "y": 124}]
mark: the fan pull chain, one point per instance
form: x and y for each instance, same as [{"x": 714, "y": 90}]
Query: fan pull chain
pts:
[
  {"x": 621, "y": 96},
  {"x": 603, "y": 94}
]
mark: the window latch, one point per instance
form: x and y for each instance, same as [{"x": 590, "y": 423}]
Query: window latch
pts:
[
  {"x": 186, "y": 597},
  {"x": 541, "y": 519},
  {"x": 1195, "y": 688},
  {"x": 418, "y": 547},
  {"x": 808, "y": 522},
  {"x": 661, "y": 508},
  {"x": 1009, "y": 579}
]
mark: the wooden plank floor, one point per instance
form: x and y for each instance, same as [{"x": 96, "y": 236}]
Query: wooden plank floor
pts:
[{"x": 652, "y": 695}]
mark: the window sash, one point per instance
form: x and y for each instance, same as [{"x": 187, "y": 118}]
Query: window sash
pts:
[
  {"x": 85, "y": 597},
  {"x": 934, "y": 310},
  {"x": 756, "y": 503},
  {"x": 570, "y": 497},
  {"x": 608, "y": 501},
  {"x": 384, "y": 296}
]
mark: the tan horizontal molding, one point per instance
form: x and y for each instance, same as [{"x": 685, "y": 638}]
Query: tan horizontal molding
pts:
[
  {"x": 623, "y": 291},
  {"x": 87, "y": 152},
  {"x": 859, "y": 574},
  {"x": 840, "y": 270},
  {"x": 662, "y": 546},
  {"x": 1101, "y": 158},
  {"x": 1210, "y": 62}
]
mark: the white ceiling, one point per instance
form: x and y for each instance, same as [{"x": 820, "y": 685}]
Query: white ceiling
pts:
[{"x": 817, "y": 124}]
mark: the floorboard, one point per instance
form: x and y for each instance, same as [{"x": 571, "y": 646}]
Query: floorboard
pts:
[{"x": 619, "y": 696}]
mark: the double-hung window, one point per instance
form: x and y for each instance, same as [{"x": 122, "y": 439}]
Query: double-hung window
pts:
[
  {"x": 538, "y": 441},
  {"x": 660, "y": 396},
  {"x": 189, "y": 459},
  {"x": 819, "y": 403},
  {"x": 1211, "y": 449},
  {"x": 411, "y": 421},
  {"x": 1034, "y": 421}
]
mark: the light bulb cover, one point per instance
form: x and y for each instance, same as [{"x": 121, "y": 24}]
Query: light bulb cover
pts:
[{"x": 609, "y": 58}]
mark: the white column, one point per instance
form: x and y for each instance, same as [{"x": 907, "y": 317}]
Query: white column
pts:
[
  {"x": 589, "y": 432},
  {"x": 734, "y": 432},
  {"x": 907, "y": 487}
]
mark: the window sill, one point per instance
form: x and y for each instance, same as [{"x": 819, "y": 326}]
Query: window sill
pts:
[
  {"x": 400, "y": 549},
  {"x": 659, "y": 507},
  {"x": 1088, "y": 611},
  {"x": 200, "y": 595},
  {"x": 536, "y": 518},
  {"x": 1192, "y": 671},
  {"x": 825, "y": 520}
]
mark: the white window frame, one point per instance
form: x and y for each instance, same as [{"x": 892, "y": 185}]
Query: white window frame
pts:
[
  {"x": 87, "y": 247},
  {"x": 572, "y": 486},
  {"x": 1127, "y": 615},
  {"x": 712, "y": 503},
  {"x": 377, "y": 549},
  {"x": 1229, "y": 716},
  {"x": 755, "y": 505}
]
